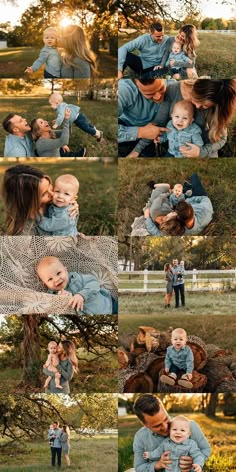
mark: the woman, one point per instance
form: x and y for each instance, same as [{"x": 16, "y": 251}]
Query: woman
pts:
[
  {"x": 26, "y": 192},
  {"x": 49, "y": 143},
  {"x": 169, "y": 284},
  {"x": 214, "y": 101},
  {"x": 65, "y": 442},
  {"x": 78, "y": 60},
  {"x": 187, "y": 36},
  {"x": 67, "y": 367}
]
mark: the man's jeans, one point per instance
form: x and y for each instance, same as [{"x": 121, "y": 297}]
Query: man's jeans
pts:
[
  {"x": 56, "y": 451},
  {"x": 179, "y": 289}
]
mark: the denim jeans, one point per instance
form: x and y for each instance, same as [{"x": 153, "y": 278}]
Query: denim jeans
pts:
[
  {"x": 179, "y": 289},
  {"x": 83, "y": 123},
  {"x": 56, "y": 451}
]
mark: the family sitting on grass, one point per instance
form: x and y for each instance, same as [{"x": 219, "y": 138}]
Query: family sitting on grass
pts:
[
  {"x": 182, "y": 210},
  {"x": 174, "y": 444},
  {"x": 66, "y": 54},
  {"x": 59, "y": 441},
  {"x": 40, "y": 139}
]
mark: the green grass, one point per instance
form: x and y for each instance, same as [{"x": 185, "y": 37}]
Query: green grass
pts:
[
  {"x": 220, "y": 432},
  {"x": 97, "y": 195},
  {"x": 213, "y": 329},
  {"x": 95, "y": 375},
  {"x": 101, "y": 114},
  {"x": 197, "y": 303},
  {"x": 13, "y": 62},
  {"x": 220, "y": 63},
  {"x": 86, "y": 455},
  {"x": 217, "y": 176}
]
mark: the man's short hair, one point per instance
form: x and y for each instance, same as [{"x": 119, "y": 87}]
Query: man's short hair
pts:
[
  {"x": 157, "y": 26},
  {"x": 146, "y": 404},
  {"x": 184, "y": 211},
  {"x": 7, "y": 124}
]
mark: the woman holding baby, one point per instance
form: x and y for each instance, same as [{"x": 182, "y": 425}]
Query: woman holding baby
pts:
[{"x": 67, "y": 367}]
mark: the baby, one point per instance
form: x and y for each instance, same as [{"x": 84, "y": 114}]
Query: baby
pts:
[
  {"x": 182, "y": 129},
  {"x": 178, "y": 444},
  {"x": 49, "y": 56},
  {"x": 88, "y": 297},
  {"x": 52, "y": 363},
  {"x": 76, "y": 117},
  {"x": 58, "y": 221},
  {"x": 176, "y": 196},
  {"x": 177, "y": 59},
  {"x": 179, "y": 358},
  {"x": 51, "y": 436}
]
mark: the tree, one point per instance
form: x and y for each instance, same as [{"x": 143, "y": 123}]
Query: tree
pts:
[{"x": 212, "y": 402}]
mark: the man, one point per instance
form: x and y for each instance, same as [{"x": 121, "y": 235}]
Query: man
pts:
[
  {"x": 19, "y": 141},
  {"x": 156, "y": 423},
  {"x": 151, "y": 47},
  {"x": 178, "y": 282},
  {"x": 54, "y": 436}
]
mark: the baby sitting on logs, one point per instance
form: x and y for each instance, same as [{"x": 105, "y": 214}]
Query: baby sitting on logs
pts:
[{"x": 179, "y": 358}]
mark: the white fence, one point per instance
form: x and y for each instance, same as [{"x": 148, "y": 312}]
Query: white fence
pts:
[
  {"x": 218, "y": 31},
  {"x": 194, "y": 280}
]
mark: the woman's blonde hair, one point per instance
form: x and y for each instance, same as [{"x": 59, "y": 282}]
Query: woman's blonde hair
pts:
[
  {"x": 222, "y": 94},
  {"x": 191, "y": 40},
  {"x": 35, "y": 130},
  {"x": 66, "y": 430},
  {"x": 20, "y": 192},
  {"x": 166, "y": 267},
  {"x": 69, "y": 349},
  {"x": 74, "y": 43}
]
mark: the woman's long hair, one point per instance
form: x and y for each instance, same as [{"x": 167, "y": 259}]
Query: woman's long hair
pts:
[
  {"x": 75, "y": 44},
  {"x": 35, "y": 130},
  {"x": 20, "y": 192},
  {"x": 222, "y": 94},
  {"x": 66, "y": 430},
  {"x": 167, "y": 267},
  {"x": 69, "y": 349},
  {"x": 191, "y": 40},
  {"x": 172, "y": 227}
]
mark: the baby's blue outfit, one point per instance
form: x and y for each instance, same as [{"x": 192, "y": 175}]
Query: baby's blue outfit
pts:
[
  {"x": 151, "y": 52},
  {"x": 183, "y": 359},
  {"x": 97, "y": 299},
  {"x": 177, "y": 138},
  {"x": 179, "y": 58},
  {"x": 49, "y": 56},
  {"x": 186, "y": 448},
  {"x": 57, "y": 433},
  {"x": 175, "y": 200},
  {"x": 74, "y": 112},
  {"x": 18, "y": 146},
  {"x": 58, "y": 222}
]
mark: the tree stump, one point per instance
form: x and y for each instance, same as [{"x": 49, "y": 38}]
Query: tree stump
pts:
[
  {"x": 215, "y": 351},
  {"x": 219, "y": 376},
  {"x": 133, "y": 381},
  {"x": 199, "y": 381},
  {"x": 199, "y": 351}
]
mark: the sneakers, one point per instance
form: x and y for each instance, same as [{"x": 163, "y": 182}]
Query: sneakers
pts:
[
  {"x": 99, "y": 138},
  {"x": 168, "y": 379},
  {"x": 184, "y": 382}
]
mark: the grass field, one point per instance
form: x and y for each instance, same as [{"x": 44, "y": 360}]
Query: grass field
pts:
[
  {"x": 86, "y": 455},
  {"x": 13, "y": 62},
  {"x": 217, "y": 176},
  {"x": 220, "y": 432},
  {"x": 95, "y": 375},
  {"x": 97, "y": 196},
  {"x": 197, "y": 303},
  {"x": 101, "y": 114},
  {"x": 220, "y": 63},
  {"x": 213, "y": 329}
]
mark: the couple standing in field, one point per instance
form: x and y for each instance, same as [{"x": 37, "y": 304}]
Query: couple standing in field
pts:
[
  {"x": 174, "y": 276},
  {"x": 59, "y": 441}
]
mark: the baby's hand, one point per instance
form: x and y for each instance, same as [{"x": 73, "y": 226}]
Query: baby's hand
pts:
[
  {"x": 55, "y": 126},
  {"x": 172, "y": 62},
  {"x": 157, "y": 67},
  {"x": 145, "y": 455},
  {"x": 29, "y": 70},
  {"x": 196, "y": 468},
  {"x": 77, "y": 302},
  {"x": 167, "y": 370},
  {"x": 64, "y": 292},
  {"x": 65, "y": 148}
]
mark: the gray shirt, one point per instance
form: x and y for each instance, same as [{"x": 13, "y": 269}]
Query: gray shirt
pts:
[
  {"x": 51, "y": 147},
  {"x": 146, "y": 440},
  {"x": 80, "y": 71},
  {"x": 66, "y": 370},
  {"x": 19, "y": 146},
  {"x": 158, "y": 202}
]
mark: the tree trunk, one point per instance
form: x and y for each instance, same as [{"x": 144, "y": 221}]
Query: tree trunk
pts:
[
  {"x": 133, "y": 381},
  {"x": 113, "y": 45},
  {"x": 211, "y": 407},
  {"x": 32, "y": 368}
]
